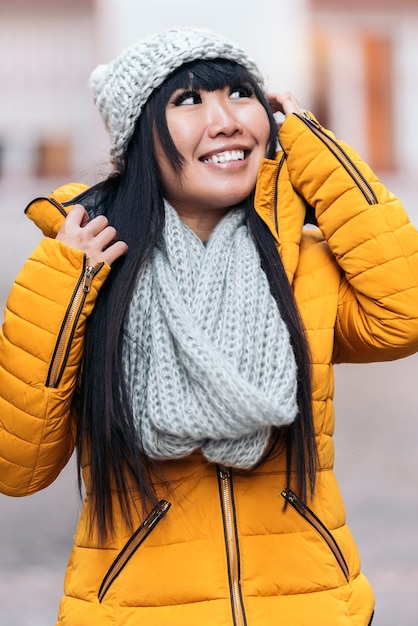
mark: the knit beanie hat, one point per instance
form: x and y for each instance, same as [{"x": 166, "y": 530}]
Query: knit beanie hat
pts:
[{"x": 122, "y": 87}]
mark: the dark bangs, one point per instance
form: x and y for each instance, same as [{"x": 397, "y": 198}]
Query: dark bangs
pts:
[{"x": 208, "y": 76}]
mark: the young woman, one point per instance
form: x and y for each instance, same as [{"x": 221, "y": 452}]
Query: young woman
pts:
[{"x": 195, "y": 378}]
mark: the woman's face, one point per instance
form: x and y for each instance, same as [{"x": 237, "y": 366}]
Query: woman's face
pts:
[{"x": 222, "y": 136}]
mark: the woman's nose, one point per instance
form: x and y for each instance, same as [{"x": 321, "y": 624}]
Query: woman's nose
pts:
[{"x": 221, "y": 120}]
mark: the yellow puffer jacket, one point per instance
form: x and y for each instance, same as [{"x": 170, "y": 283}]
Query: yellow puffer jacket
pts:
[{"x": 220, "y": 548}]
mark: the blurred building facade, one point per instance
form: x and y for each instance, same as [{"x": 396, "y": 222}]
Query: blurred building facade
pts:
[
  {"x": 46, "y": 49},
  {"x": 365, "y": 77}
]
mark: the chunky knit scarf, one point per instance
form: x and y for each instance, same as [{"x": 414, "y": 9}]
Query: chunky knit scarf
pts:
[{"x": 207, "y": 356}]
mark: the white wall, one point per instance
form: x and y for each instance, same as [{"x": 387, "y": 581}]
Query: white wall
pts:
[
  {"x": 406, "y": 94},
  {"x": 274, "y": 32},
  {"x": 46, "y": 54}
]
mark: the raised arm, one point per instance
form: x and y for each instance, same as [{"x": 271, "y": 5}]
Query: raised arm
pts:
[
  {"x": 370, "y": 236},
  {"x": 41, "y": 344}
]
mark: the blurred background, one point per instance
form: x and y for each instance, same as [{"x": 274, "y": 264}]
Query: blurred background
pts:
[{"x": 355, "y": 64}]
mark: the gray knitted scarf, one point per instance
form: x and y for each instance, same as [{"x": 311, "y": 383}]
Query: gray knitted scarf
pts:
[{"x": 206, "y": 354}]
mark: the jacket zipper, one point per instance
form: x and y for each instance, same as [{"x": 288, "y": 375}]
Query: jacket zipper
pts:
[
  {"x": 341, "y": 155},
  {"x": 51, "y": 200},
  {"x": 132, "y": 546},
  {"x": 59, "y": 206},
  {"x": 69, "y": 324},
  {"x": 274, "y": 197},
  {"x": 316, "y": 523},
  {"x": 232, "y": 546}
]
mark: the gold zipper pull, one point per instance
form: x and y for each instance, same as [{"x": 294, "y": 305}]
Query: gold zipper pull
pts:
[
  {"x": 224, "y": 472},
  {"x": 310, "y": 118},
  {"x": 158, "y": 511},
  {"x": 292, "y": 498},
  {"x": 89, "y": 273}
]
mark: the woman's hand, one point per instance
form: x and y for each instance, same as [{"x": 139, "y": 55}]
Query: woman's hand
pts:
[
  {"x": 94, "y": 237},
  {"x": 284, "y": 102}
]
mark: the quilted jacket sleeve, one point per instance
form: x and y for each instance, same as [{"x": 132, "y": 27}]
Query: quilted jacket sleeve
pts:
[
  {"x": 41, "y": 345},
  {"x": 369, "y": 234}
]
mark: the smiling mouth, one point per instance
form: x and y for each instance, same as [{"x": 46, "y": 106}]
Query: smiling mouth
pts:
[{"x": 225, "y": 157}]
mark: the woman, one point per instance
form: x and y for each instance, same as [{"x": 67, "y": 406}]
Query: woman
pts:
[{"x": 195, "y": 377}]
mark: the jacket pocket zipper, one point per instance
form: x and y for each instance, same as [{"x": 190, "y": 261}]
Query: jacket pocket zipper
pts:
[
  {"x": 341, "y": 155},
  {"x": 69, "y": 324},
  {"x": 231, "y": 540},
  {"x": 132, "y": 546},
  {"x": 316, "y": 523}
]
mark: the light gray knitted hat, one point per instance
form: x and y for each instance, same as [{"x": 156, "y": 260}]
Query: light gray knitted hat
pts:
[{"x": 122, "y": 87}]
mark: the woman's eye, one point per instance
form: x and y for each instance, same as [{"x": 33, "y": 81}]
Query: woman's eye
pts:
[
  {"x": 187, "y": 98},
  {"x": 244, "y": 91}
]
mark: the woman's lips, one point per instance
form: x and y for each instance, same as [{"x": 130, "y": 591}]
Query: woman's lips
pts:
[{"x": 225, "y": 156}]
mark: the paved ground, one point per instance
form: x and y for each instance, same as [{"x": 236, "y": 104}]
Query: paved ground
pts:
[{"x": 377, "y": 465}]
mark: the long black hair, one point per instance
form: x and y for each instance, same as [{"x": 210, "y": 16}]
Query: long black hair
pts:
[{"x": 132, "y": 200}]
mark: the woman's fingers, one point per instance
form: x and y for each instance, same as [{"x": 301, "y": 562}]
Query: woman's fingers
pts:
[
  {"x": 113, "y": 252},
  {"x": 284, "y": 102},
  {"x": 94, "y": 237},
  {"x": 96, "y": 225}
]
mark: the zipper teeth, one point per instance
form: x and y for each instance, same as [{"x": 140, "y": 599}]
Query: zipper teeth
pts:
[
  {"x": 273, "y": 204},
  {"x": 342, "y": 156},
  {"x": 59, "y": 206},
  {"x": 51, "y": 200},
  {"x": 316, "y": 523},
  {"x": 79, "y": 294},
  {"x": 65, "y": 332},
  {"x": 132, "y": 546},
  {"x": 225, "y": 476}
]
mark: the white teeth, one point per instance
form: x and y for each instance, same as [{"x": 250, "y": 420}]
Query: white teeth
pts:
[{"x": 224, "y": 157}]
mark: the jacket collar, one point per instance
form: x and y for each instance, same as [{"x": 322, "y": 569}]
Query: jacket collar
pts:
[{"x": 282, "y": 210}]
